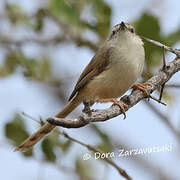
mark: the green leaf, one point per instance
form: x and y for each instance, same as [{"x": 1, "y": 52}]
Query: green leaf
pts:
[
  {"x": 16, "y": 14},
  {"x": 102, "y": 12},
  {"x": 47, "y": 148},
  {"x": 10, "y": 64},
  {"x": 16, "y": 132},
  {"x": 36, "y": 69},
  {"x": 39, "y": 24},
  {"x": 172, "y": 38},
  {"x": 65, "y": 10},
  {"x": 13, "y": 12},
  {"x": 149, "y": 26},
  {"x": 52, "y": 142},
  {"x": 65, "y": 146},
  {"x": 83, "y": 169},
  {"x": 69, "y": 12}
]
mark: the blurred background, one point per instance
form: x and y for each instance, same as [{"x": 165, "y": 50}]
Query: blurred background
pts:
[{"x": 44, "y": 46}]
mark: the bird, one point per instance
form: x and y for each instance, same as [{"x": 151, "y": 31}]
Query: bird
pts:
[{"x": 115, "y": 68}]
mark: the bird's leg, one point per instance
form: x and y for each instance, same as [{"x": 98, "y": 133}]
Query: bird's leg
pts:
[
  {"x": 87, "y": 105},
  {"x": 142, "y": 87},
  {"x": 121, "y": 104}
]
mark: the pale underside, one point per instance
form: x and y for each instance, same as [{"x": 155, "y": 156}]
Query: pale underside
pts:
[{"x": 125, "y": 64}]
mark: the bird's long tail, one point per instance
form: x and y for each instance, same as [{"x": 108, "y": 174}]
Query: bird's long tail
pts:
[{"x": 47, "y": 127}]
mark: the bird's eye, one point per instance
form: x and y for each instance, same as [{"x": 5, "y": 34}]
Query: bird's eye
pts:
[{"x": 132, "y": 30}]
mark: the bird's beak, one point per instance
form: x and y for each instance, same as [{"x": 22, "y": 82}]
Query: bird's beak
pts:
[{"x": 123, "y": 26}]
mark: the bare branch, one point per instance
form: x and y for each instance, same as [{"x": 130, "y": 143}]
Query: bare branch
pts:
[
  {"x": 30, "y": 117},
  {"x": 40, "y": 121},
  {"x": 12, "y": 41},
  {"x": 166, "y": 120},
  {"x": 146, "y": 164},
  {"x": 159, "y": 101},
  {"x": 68, "y": 34},
  {"x": 103, "y": 115},
  {"x": 163, "y": 67}
]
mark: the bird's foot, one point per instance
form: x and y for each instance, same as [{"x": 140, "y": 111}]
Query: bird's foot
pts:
[
  {"x": 142, "y": 87},
  {"x": 87, "y": 105},
  {"x": 121, "y": 104}
]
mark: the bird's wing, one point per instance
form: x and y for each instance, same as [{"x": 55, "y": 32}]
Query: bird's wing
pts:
[{"x": 93, "y": 69}]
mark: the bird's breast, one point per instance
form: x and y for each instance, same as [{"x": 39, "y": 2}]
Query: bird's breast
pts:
[{"x": 125, "y": 67}]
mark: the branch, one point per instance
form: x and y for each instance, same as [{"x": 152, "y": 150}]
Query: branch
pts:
[
  {"x": 121, "y": 171},
  {"x": 146, "y": 164},
  {"x": 175, "y": 51},
  {"x": 164, "y": 68},
  {"x": 47, "y": 41},
  {"x": 12, "y": 41},
  {"x": 172, "y": 86},
  {"x": 166, "y": 120},
  {"x": 89, "y": 147},
  {"x": 68, "y": 35},
  {"x": 103, "y": 115}
]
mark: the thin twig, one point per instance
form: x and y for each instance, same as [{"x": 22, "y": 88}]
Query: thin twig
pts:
[
  {"x": 175, "y": 51},
  {"x": 68, "y": 35},
  {"x": 30, "y": 117},
  {"x": 42, "y": 41},
  {"x": 164, "y": 59},
  {"x": 146, "y": 164},
  {"x": 163, "y": 68},
  {"x": 172, "y": 86},
  {"x": 108, "y": 160},
  {"x": 159, "y": 101},
  {"x": 165, "y": 119},
  {"x": 161, "y": 91}
]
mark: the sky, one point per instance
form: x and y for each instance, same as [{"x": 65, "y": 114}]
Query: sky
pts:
[{"x": 142, "y": 128}]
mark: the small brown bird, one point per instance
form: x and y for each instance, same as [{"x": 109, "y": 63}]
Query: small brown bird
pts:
[{"x": 111, "y": 72}]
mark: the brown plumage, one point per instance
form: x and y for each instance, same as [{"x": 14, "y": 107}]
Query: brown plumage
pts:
[
  {"x": 47, "y": 127},
  {"x": 92, "y": 70},
  {"x": 111, "y": 72}
]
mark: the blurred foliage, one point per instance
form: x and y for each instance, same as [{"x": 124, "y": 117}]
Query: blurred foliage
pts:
[
  {"x": 68, "y": 16},
  {"x": 17, "y": 132},
  {"x": 83, "y": 169},
  {"x": 14, "y": 13},
  {"x": 54, "y": 141},
  {"x": 69, "y": 12},
  {"x": 105, "y": 145},
  {"x": 37, "y": 70},
  {"x": 102, "y": 13},
  {"x": 148, "y": 26},
  {"x": 47, "y": 148}
]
